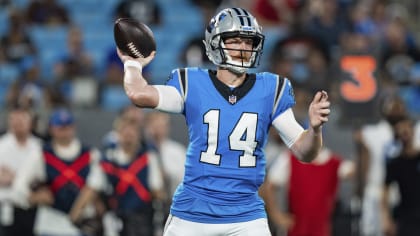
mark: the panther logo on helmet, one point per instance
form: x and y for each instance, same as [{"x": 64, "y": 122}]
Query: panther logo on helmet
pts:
[{"x": 229, "y": 23}]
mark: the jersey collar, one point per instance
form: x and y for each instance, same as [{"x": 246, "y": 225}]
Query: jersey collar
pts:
[{"x": 233, "y": 95}]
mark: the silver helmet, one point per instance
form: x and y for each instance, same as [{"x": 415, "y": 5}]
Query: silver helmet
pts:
[{"x": 228, "y": 23}]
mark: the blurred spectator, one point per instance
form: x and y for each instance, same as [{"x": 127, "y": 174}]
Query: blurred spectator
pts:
[
  {"x": 30, "y": 90},
  {"x": 68, "y": 178},
  {"x": 114, "y": 69},
  {"x": 134, "y": 178},
  {"x": 417, "y": 134},
  {"x": 146, "y": 11},
  {"x": 75, "y": 61},
  {"x": 370, "y": 19},
  {"x": 4, "y": 3},
  {"x": 405, "y": 171},
  {"x": 16, "y": 43},
  {"x": 131, "y": 114},
  {"x": 194, "y": 53},
  {"x": 371, "y": 140},
  {"x": 17, "y": 145},
  {"x": 171, "y": 153},
  {"x": 327, "y": 23},
  {"x": 273, "y": 147},
  {"x": 309, "y": 207},
  {"x": 399, "y": 52},
  {"x": 46, "y": 12},
  {"x": 304, "y": 60},
  {"x": 75, "y": 70},
  {"x": 321, "y": 76}
]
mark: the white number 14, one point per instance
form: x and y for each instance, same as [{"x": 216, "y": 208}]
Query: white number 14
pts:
[{"x": 242, "y": 138}]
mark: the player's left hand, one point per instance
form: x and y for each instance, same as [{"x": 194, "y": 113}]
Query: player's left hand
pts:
[{"x": 319, "y": 110}]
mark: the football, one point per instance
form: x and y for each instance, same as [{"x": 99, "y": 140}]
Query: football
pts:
[{"x": 133, "y": 38}]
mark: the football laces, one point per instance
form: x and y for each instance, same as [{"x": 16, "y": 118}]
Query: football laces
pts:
[{"x": 134, "y": 50}]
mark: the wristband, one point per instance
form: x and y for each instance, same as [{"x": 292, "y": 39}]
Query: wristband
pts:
[{"x": 132, "y": 63}]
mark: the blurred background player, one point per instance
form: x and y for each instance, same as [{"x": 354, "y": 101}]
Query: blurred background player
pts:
[
  {"x": 404, "y": 170},
  {"x": 373, "y": 142},
  {"x": 68, "y": 178},
  {"x": 135, "y": 180}
]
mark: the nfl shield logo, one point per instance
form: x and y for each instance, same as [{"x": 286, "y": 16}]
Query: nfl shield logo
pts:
[{"x": 232, "y": 99}]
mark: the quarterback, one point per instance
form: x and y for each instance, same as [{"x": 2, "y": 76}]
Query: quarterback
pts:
[{"x": 228, "y": 112}]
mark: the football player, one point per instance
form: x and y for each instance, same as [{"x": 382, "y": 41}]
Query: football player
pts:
[{"x": 228, "y": 113}]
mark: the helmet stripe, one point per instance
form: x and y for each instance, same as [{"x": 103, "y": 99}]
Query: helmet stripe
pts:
[
  {"x": 247, "y": 14},
  {"x": 239, "y": 15}
]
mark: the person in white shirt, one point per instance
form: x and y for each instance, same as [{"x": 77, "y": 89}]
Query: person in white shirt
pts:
[
  {"x": 171, "y": 152},
  {"x": 171, "y": 156},
  {"x": 374, "y": 144},
  {"x": 17, "y": 145},
  {"x": 69, "y": 177}
]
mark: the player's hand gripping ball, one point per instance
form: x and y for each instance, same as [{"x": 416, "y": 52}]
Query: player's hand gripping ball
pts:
[{"x": 134, "y": 38}]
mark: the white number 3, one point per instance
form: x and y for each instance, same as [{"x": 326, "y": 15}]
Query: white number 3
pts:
[{"x": 242, "y": 138}]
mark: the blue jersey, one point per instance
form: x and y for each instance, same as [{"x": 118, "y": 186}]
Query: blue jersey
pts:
[{"x": 228, "y": 129}]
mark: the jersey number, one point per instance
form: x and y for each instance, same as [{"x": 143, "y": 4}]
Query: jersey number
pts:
[
  {"x": 361, "y": 68},
  {"x": 242, "y": 138}
]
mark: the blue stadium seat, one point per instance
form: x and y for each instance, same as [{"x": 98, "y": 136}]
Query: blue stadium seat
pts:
[
  {"x": 49, "y": 38},
  {"x": 272, "y": 36},
  {"x": 411, "y": 96},
  {"x": 113, "y": 98},
  {"x": 51, "y": 43},
  {"x": 98, "y": 44},
  {"x": 182, "y": 16},
  {"x": 88, "y": 21},
  {"x": 47, "y": 59},
  {"x": 90, "y": 5},
  {"x": 21, "y": 4},
  {"x": 4, "y": 88},
  {"x": 8, "y": 73},
  {"x": 4, "y": 21}
]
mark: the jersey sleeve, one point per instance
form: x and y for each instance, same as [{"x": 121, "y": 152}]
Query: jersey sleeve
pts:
[
  {"x": 177, "y": 79},
  {"x": 286, "y": 97}
]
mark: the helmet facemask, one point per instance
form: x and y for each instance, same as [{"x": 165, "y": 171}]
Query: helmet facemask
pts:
[{"x": 231, "y": 23}]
